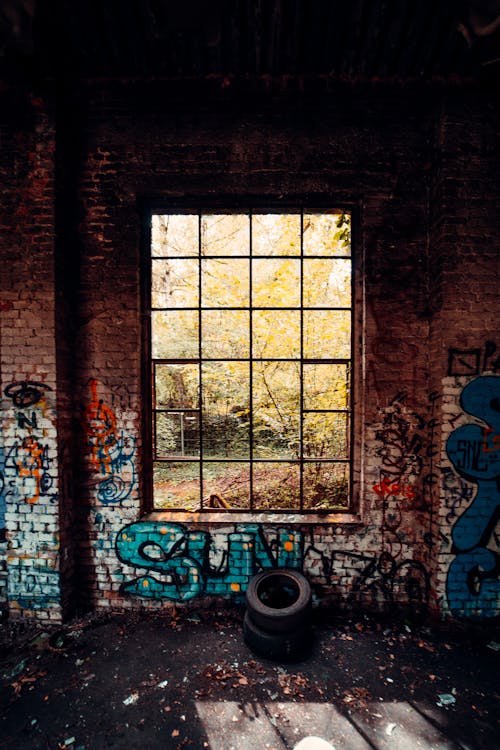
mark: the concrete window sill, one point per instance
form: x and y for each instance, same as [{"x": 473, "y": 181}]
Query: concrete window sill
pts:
[{"x": 224, "y": 518}]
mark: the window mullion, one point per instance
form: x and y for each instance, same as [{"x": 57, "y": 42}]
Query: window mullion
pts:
[
  {"x": 301, "y": 405},
  {"x": 250, "y": 362},
  {"x": 200, "y": 368},
  {"x": 282, "y": 321}
]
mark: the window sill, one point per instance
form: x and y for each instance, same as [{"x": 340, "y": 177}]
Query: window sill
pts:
[{"x": 224, "y": 518}]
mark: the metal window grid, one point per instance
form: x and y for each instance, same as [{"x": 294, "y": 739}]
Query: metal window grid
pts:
[{"x": 301, "y": 460}]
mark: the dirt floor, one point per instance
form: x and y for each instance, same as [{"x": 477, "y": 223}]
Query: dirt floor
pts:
[{"x": 187, "y": 680}]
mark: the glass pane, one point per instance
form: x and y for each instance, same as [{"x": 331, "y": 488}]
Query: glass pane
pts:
[
  {"x": 276, "y": 234},
  {"x": 326, "y": 386},
  {"x": 225, "y": 333},
  {"x": 176, "y": 386},
  {"x": 226, "y": 485},
  {"x": 226, "y": 404},
  {"x": 174, "y": 334},
  {"x": 327, "y": 282},
  {"x": 225, "y": 283},
  {"x": 225, "y": 234},
  {"x": 327, "y": 234},
  {"x": 276, "y": 409},
  {"x": 327, "y": 334},
  {"x": 174, "y": 283},
  {"x": 176, "y": 485},
  {"x": 177, "y": 434},
  {"x": 174, "y": 235},
  {"x": 216, "y": 410},
  {"x": 275, "y": 283},
  {"x": 326, "y": 486},
  {"x": 325, "y": 435},
  {"x": 276, "y": 486},
  {"x": 276, "y": 334}
]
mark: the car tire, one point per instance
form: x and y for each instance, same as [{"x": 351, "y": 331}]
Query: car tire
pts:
[
  {"x": 276, "y": 646},
  {"x": 279, "y": 600}
]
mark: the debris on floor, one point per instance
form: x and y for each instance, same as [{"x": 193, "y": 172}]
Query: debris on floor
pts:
[{"x": 132, "y": 681}]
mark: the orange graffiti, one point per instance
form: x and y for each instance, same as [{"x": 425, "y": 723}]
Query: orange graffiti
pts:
[
  {"x": 29, "y": 463},
  {"x": 99, "y": 423}
]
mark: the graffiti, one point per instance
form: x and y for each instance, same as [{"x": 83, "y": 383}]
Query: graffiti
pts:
[
  {"x": 473, "y": 362},
  {"x": 407, "y": 453},
  {"x": 407, "y": 440},
  {"x": 183, "y": 558},
  {"x": 187, "y": 564},
  {"x": 100, "y": 429},
  {"x": 34, "y": 587},
  {"x": 408, "y": 450},
  {"x": 26, "y": 422},
  {"x": 430, "y": 480},
  {"x": 119, "y": 484},
  {"x": 473, "y": 584},
  {"x": 3, "y": 502},
  {"x": 30, "y": 462},
  {"x": 26, "y": 392},
  {"x": 25, "y": 466},
  {"x": 111, "y": 453},
  {"x": 456, "y": 491},
  {"x": 491, "y": 442},
  {"x": 378, "y": 580},
  {"x": 402, "y": 442},
  {"x": 385, "y": 488}
]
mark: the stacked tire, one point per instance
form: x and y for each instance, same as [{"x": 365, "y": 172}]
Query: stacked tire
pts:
[{"x": 277, "y": 621}]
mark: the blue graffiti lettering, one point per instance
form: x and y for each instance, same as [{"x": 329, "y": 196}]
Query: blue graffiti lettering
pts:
[
  {"x": 471, "y": 572},
  {"x": 161, "y": 548},
  {"x": 473, "y": 584},
  {"x": 118, "y": 486},
  {"x": 182, "y": 559}
]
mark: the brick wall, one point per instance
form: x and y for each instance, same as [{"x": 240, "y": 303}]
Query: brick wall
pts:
[
  {"x": 29, "y": 381},
  {"x": 421, "y": 166},
  {"x": 465, "y": 329}
]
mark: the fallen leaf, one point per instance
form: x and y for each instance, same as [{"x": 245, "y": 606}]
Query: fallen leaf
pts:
[
  {"x": 427, "y": 646},
  {"x": 358, "y": 697},
  {"x": 293, "y": 684}
]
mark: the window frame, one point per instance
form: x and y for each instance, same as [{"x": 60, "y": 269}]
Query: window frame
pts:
[{"x": 352, "y": 511}]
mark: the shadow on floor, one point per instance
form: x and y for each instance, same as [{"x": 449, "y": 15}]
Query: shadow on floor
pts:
[{"x": 189, "y": 681}]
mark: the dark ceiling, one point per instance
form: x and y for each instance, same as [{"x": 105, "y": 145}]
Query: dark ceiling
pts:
[{"x": 343, "y": 39}]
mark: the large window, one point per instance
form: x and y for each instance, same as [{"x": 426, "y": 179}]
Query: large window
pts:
[{"x": 250, "y": 344}]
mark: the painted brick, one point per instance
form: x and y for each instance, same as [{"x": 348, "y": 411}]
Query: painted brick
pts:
[{"x": 430, "y": 330}]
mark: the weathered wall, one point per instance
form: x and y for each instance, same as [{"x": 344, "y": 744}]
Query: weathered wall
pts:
[
  {"x": 465, "y": 327},
  {"x": 421, "y": 166},
  {"x": 29, "y": 445}
]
